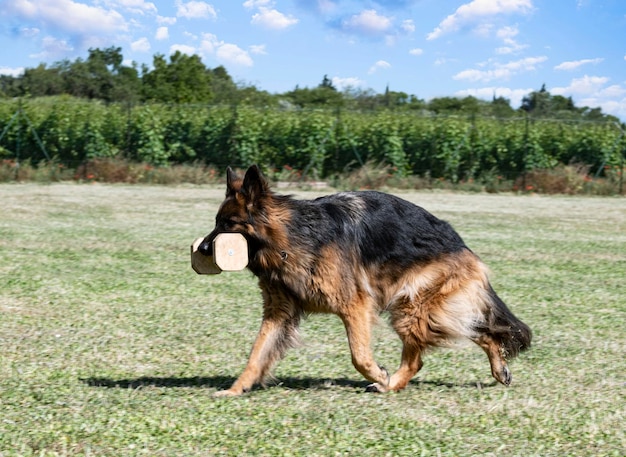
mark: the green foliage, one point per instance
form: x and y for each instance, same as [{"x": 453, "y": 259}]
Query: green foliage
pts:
[
  {"x": 381, "y": 142},
  {"x": 320, "y": 143},
  {"x": 149, "y": 135},
  {"x": 542, "y": 104},
  {"x": 183, "y": 80}
]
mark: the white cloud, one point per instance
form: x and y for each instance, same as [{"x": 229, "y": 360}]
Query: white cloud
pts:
[
  {"x": 15, "y": 72},
  {"x": 614, "y": 91},
  {"x": 258, "y": 49},
  {"x": 480, "y": 75},
  {"x": 273, "y": 19},
  {"x": 347, "y": 83},
  {"x": 137, "y": 6},
  {"x": 141, "y": 45},
  {"x": 487, "y": 93},
  {"x": 233, "y": 54},
  {"x": 507, "y": 35},
  {"x": 29, "y": 32},
  {"x": 483, "y": 30},
  {"x": 166, "y": 20},
  {"x": 227, "y": 53},
  {"x": 256, "y": 3},
  {"x": 501, "y": 71},
  {"x": 512, "y": 49},
  {"x": 573, "y": 65},
  {"x": 369, "y": 22},
  {"x": 380, "y": 65},
  {"x": 408, "y": 26},
  {"x": 416, "y": 51},
  {"x": 478, "y": 9},
  {"x": 183, "y": 48},
  {"x": 51, "y": 48},
  {"x": 195, "y": 10},
  {"x": 209, "y": 43},
  {"x": 67, "y": 16},
  {"x": 162, "y": 33},
  {"x": 582, "y": 86}
]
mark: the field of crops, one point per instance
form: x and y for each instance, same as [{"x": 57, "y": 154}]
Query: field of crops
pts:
[{"x": 319, "y": 143}]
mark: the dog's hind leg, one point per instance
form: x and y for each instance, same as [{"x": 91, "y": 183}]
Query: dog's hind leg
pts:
[
  {"x": 358, "y": 325},
  {"x": 407, "y": 325},
  {"x": 410, "y": 364},
  {"x": 501, "y": 335},
  {"x": 499, "y": 368}
]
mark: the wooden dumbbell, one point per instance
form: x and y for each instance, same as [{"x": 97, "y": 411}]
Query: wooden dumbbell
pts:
[{"x": 230, "y": 253}]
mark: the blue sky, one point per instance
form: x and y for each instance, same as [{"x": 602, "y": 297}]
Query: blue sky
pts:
[{"x": 429, "y": 48}]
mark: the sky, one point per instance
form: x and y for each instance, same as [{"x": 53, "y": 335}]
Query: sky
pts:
[{"x": 428, "y": 48}]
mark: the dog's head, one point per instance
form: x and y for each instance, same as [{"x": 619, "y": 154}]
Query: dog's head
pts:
[{"x": 242, "y": 208}]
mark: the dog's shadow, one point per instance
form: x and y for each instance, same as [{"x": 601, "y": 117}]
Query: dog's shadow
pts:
[{"x": 290, "y": 383}]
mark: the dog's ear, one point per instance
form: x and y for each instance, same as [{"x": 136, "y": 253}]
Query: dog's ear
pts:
[
  {"x": 233, "y": 181},
  {"x": 255, "y": 185}
]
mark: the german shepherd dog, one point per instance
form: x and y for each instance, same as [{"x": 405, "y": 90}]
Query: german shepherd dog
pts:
[{"x": 357, "y": 254}]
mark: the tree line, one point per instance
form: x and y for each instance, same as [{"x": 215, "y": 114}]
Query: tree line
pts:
[{"x": 183, "y": 78}]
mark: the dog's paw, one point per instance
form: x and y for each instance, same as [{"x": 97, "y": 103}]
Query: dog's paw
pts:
[
  {"x": 503, "y": 376},
  {"x": 376, "y": 388},
  {"x": 227, "y": 393}
]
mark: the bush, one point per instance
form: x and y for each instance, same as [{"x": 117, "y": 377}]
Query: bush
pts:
[
  {"x": 563, "y": 179},
  {"x": 124, "y": 171},
  {"x": 44, "y": 172}
]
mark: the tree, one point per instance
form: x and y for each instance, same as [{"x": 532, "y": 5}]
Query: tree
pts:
[
  {"x": 76, "y": 78},
  {"x": 251, "y": 95},
  {"x": 454, "y": 105},
  {"x": 222, "y": 86},
  {"x": 10, "y": 86},
  {"x": 537, "y": 103},
  {"x": 327, "y": 83},
  {"x": 184, "y": 79},
  {"x": 325, "y": 94},
  {"x": 127, "y": 84},
  {"x": 543, "y": 104},
  {"x": 41, "y": 81},
  {"x": 501, "y": 107}
]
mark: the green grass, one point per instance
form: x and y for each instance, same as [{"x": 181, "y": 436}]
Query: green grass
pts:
[{"x": 111, "y": 345}]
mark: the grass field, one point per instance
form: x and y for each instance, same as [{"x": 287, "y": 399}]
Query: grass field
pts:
[{"x": 111, "y": 345}]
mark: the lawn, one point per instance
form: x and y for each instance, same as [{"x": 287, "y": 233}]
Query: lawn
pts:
[{"x": 111, "y": 345}]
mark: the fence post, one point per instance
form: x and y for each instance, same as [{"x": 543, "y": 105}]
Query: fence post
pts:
[
  {"x": 621, "y": 172},
  {"x": 525, "y": 156}
]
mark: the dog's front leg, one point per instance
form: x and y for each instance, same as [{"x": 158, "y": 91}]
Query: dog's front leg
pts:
[
  {"x": 358, "y": 327},
  {"x": 278, "y": 332}
]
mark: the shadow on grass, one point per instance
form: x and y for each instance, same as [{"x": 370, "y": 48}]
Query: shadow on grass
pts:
[
  {"x": 153, "y": 381},
  {"x": 292, "y": 383}
]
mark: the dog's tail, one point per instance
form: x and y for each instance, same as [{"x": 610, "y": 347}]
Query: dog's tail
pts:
[{"x": 512, "y": 334}]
